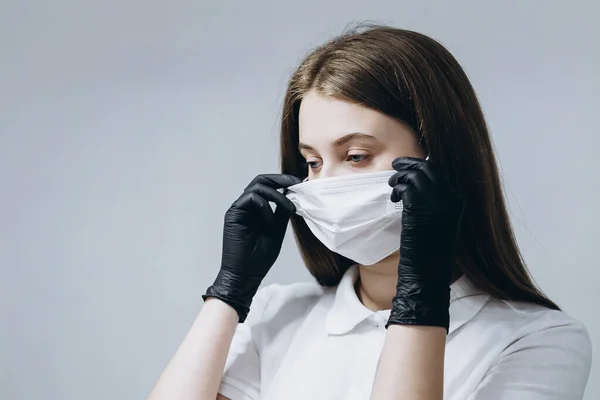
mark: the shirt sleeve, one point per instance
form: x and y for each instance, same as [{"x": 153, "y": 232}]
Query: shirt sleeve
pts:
[
  {"x": 548, "y": 364},
  {"x": 241, "y": 377}
]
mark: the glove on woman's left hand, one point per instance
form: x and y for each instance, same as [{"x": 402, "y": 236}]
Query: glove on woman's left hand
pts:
[{"x": 430, "y": 225}]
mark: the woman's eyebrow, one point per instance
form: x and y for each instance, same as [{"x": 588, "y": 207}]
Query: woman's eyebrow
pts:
[
  {"x": 351, "y": 136},
  {"x": 304, "y": 146},
  {"x": 341, "y": 141}
]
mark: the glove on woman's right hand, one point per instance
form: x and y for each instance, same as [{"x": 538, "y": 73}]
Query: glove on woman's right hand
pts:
[{"x": 252, "y": 239}]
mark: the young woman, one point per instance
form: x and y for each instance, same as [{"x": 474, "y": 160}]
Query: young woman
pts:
[{"x": 421, "y": 293}]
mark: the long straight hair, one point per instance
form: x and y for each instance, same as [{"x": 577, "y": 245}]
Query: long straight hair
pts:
[{"x": 413, "y": 78}]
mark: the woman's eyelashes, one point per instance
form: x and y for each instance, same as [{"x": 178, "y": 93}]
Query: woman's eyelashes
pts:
[
  {"x": 358, "y": 159},
  {"x": 314, "y": 164}
]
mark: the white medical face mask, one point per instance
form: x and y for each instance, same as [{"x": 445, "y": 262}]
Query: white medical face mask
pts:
[{"x": 351, "y": 215}]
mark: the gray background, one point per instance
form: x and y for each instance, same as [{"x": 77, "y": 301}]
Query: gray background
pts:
[{"x": 128, "y": 127}]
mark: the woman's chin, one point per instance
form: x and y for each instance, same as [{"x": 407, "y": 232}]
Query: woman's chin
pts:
[{"x": 389, "y": 262}]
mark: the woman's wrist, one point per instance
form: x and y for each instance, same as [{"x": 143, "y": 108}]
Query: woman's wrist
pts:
[
  {"x": 220, "y": 310},
  {"x": 420, "y": 304},
  {"x": 411, "y": 364}
]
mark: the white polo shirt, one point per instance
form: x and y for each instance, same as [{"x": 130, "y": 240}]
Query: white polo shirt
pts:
[{"x": 306, "y": 342}]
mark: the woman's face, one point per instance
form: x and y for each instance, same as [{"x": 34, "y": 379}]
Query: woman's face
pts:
[{"x": 339, "y": 138}]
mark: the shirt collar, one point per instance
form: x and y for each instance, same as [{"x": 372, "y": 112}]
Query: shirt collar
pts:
[{"x": 347, "y": 311}]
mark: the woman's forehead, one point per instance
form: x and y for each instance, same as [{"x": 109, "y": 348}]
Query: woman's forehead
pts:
[{"x": 325, "y": 120}]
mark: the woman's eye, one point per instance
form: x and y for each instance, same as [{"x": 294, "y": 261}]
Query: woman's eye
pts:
[
  {"x": 357, "y": 158},
  {"x": 313, "y": 164}
]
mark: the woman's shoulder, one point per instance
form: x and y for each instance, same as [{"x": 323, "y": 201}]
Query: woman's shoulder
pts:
[
  {"x": 521, "y": 320},
  {"x": 523, "y": 313},
  {"x": 529, "y": 347}
]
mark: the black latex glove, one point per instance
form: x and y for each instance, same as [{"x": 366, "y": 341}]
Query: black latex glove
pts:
[
  {"x": 252, "y": 238},
  {"x": 430, "y": 224}
]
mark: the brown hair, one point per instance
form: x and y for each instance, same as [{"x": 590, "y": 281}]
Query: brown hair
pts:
[{"x": 413, "y": 78}]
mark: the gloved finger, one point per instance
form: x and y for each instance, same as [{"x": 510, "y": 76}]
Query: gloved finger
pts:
[
  {"x": 398, "y": 191},
  {"x": 431, "y": 173},
  {"x": 273, "y": 195},
  {"x": 282, "y": 218},
  {"x": 256, "y": 206},
  {"x": 416, "y": 178},
  {"x": 404, "y": 163},
  {"x": 417, "y": 164},
  {"x": 275, "y": 181}
]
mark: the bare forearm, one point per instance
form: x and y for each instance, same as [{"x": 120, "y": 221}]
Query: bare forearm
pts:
[
  {"x": 412, "y": 364},
  {"x": 194, "y": 372}
]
